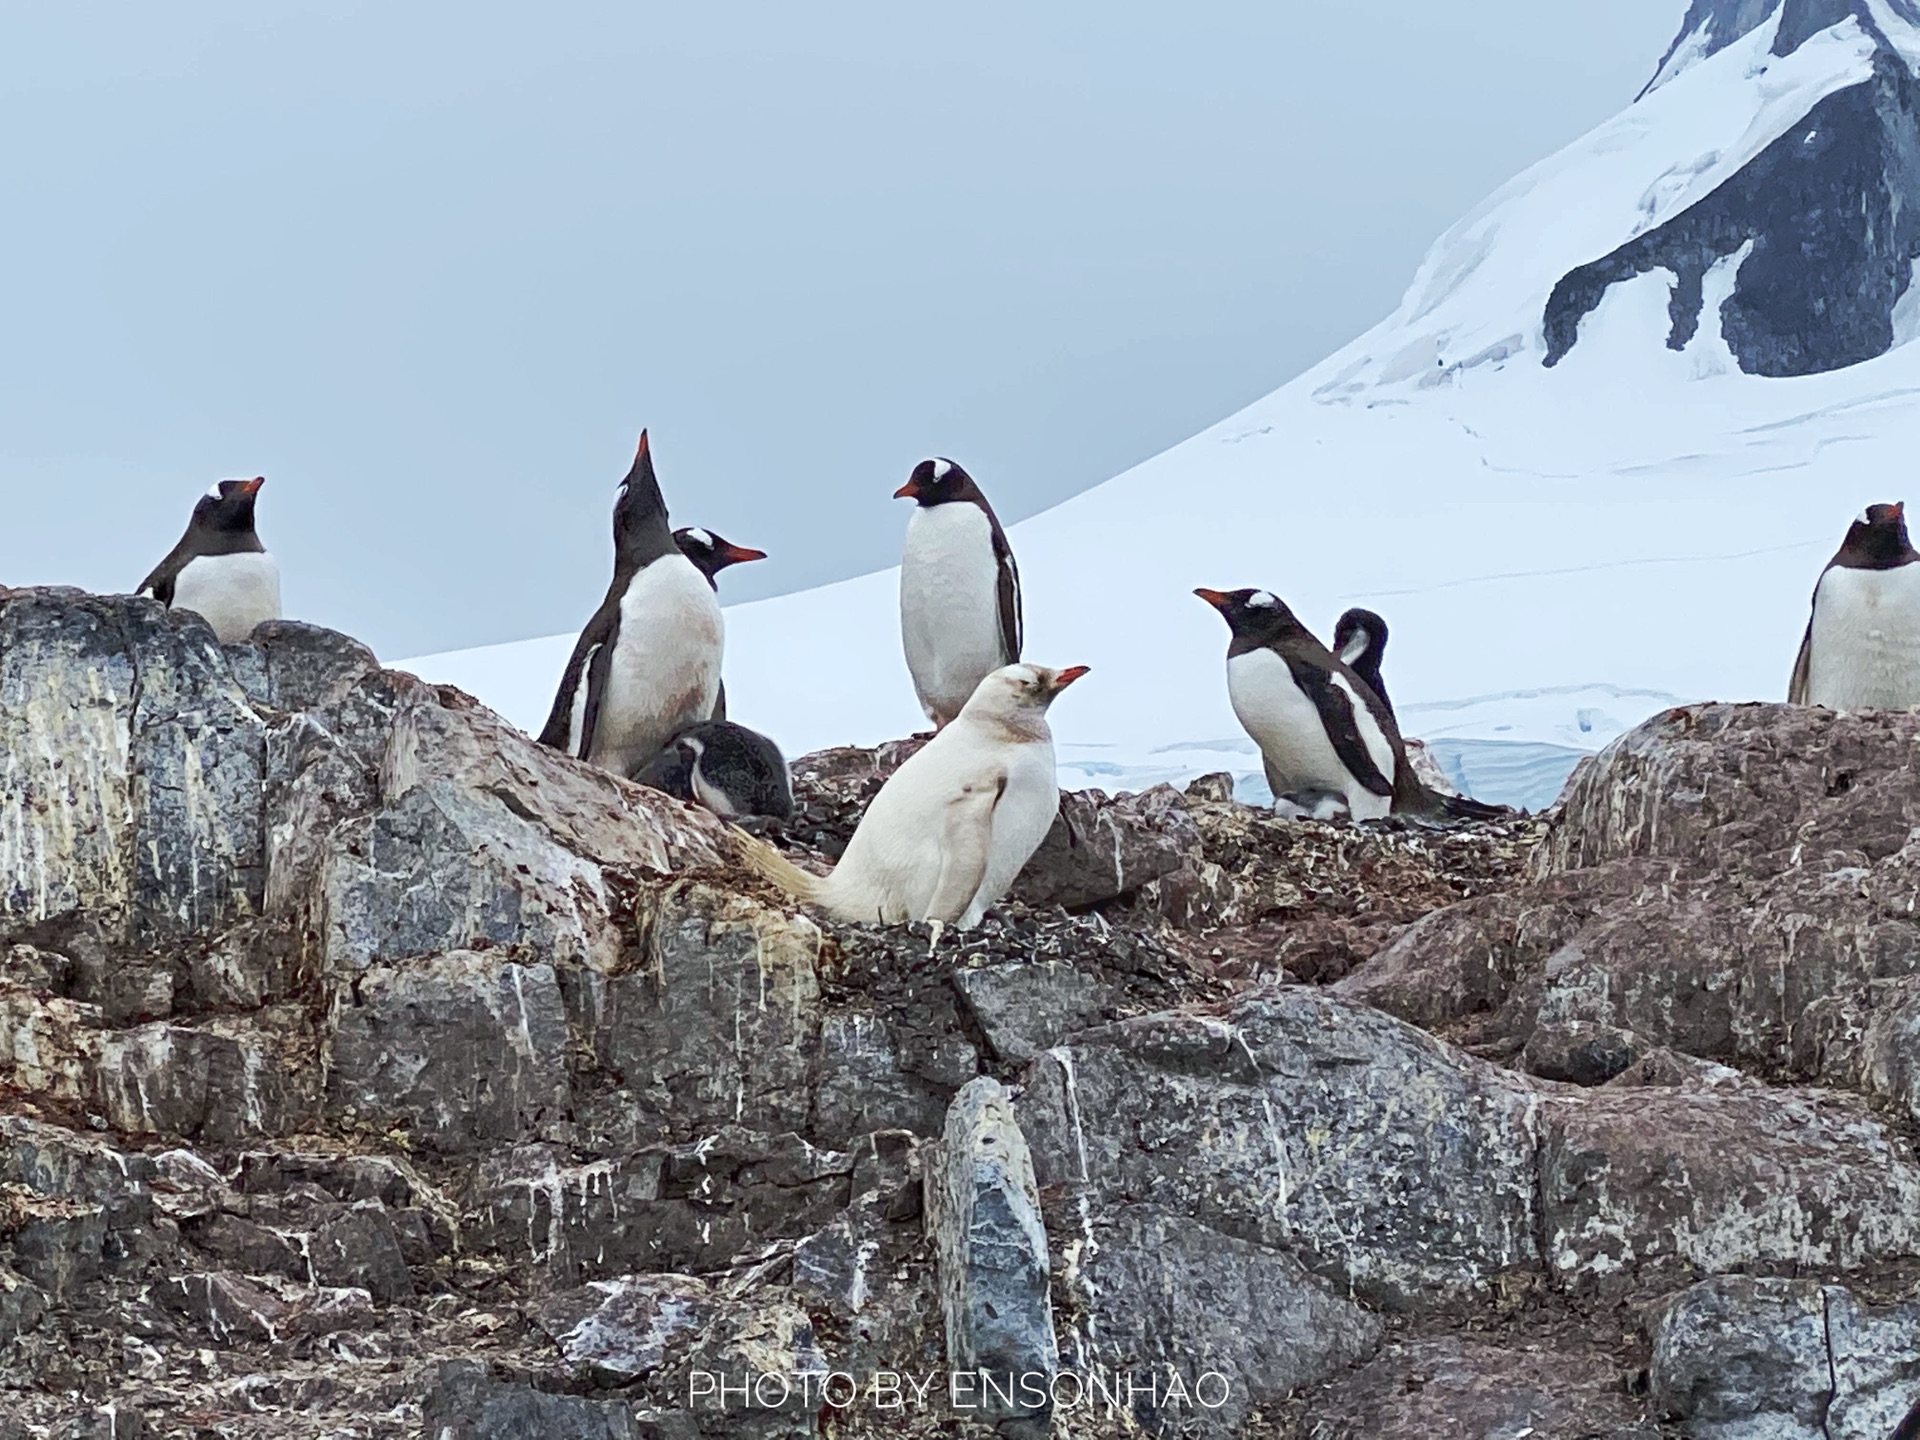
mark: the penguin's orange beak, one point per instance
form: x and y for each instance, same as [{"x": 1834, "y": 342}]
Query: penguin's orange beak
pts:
[
  {"x": 1066, "y": 677},
  {"x": 1899, "y": 509},
  {"x": 252, "y": 487},
  {"x": 1214, "y": 598},
  {"x": 734, "y": 554},
  {"x": 908, "y": 491}
]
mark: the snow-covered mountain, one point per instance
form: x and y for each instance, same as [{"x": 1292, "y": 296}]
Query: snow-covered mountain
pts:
[{"x": 1591, "y": 466}]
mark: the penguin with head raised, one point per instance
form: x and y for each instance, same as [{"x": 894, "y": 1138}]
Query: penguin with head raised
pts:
[
  {"x": 710, "y": 555},
  {"x": 959, "y": 589},
  {"x": 1321, "y": 729},
  {"x": 952, "y": 827},
  {"x": 1360, "y": 640},
  {"x": 731, "y": 770},
  {"x": 220, "y": 570},
  {"x": 648, "y": 661},
  {"x": 1861, "y": 649}
]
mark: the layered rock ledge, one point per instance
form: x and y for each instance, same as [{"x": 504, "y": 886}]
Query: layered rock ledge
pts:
[{"x": 371, "y": 1071}]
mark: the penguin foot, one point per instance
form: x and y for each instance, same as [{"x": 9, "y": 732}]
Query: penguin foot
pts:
[{"x": 935, "y": 929}]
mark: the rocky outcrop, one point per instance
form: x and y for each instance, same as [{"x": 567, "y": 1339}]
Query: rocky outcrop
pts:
[
  {"x": 369, "y": 1069},
  {"x": 1817, "y": 228}
]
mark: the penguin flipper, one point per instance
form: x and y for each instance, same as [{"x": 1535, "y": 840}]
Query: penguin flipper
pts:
[
  {"x": 592, "y": 654},
  {"x": 1336, "y": 707},
  {"x": 1799, "y": 685},
  {"x": 966, "y": 840},
  {"x": 1012, "y": 623},
  {"x": 720, "y": 703},
  {"x": 159, "y": 584}
]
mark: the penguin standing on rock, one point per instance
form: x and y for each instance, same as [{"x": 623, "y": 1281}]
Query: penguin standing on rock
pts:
[
  {"x": 710, "y": 555},
  {"x": 648, "y": 661},
  {"x": 220, "y": 570},
  {"x": 955, "y": 823},
  {"x": 731, "y": 770},
  {"x": 1360, "y": 640},
  {"x": 1862, "y": 646},
  {"x": 959, "y": 589},
  {"x": 1321, "y": 729}
]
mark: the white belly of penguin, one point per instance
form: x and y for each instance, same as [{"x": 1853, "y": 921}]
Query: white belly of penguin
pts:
[
  {"x": 665, "y": 670},
  {"x": 1866, "y": 639},
  {"x": 950, "y": 605},
  {"x": 1293, "y": 741},
  {"x": 233, "y": 593}
]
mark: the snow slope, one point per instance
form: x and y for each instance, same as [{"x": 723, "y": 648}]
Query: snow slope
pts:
[{"x": 1560, "y": 552}]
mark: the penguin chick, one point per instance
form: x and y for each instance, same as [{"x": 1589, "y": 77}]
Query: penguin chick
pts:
[
  {"x": 711, "y": 554},
  {"x": 733, "y": 771},
  {"x": 1319, "y": 726},
  {"x": 220, "y": 570},
  {"x": 952, "y": 826},
  {"x": 959, "y": 589},
  {"x": 1312, "y": 805},
  {"x": 1360, "y": 640},
  {"x": 648, "y": 662},
  {"x": 1861, "y": 649}
]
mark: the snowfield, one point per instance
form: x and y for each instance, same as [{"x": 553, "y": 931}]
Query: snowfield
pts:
[{"x": 1559, "y": 552}]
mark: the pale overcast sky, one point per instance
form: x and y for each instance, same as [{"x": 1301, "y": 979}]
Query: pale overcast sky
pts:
[{"x": 429, "y": 267}]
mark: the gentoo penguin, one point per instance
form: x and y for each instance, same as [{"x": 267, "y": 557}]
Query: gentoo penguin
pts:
[
  {"x": 1862, "y": 646},
  {"x": 731, "y": 770},
  {"x": 710, "y": 555},
  {"x": 1320, "y": 727},
  {"x": 649, "y": 660},
  {"x": 220, "y": 570},
  {"x": 952, "y": 826},
  {"x": 1360, "y": 639},
  {"x": 959, "y": 589}
]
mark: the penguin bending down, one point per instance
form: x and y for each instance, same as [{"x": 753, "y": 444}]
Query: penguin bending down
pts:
[
  {"x": 648, "y": 661},
  {"x": 1321, "y": 729},
  {"x": 1360, "y": 640},
  {"x": 952, "y": 826},
  {"x": 1861, "y": 649},
  {"x": 220, "y": 570},
  {"x": 959, "y": 589},
  {"x": 710, "y": 555},
  {"x": 733, "y": 771}
]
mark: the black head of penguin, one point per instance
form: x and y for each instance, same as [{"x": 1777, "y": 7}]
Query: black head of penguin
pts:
[
  {"x": 939, "y": 482},
  {"x": 1360, "y": 640},
  {"x": 641, "y": 533},
  {"x": 222, "y": 520},
  {"x": 731, "y": 770},
  {"x": 1878, "y": 540},
  {"x": 711, "y": 553},
  {"x": 1256, "y": 617}
]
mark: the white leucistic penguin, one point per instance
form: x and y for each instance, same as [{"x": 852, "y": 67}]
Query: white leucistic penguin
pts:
[
  {"x": 1321, "y": 729},
  {"x": 731, "y": 770},
  {"x": 952, "y": 826},
  {"x": 648, "y": 661},
  {"x": 1861, "y": 649},
  {"x": 710, "y": 554},
  {"x": 959, "y": 589},
  {"x": 220, "y": 570}
]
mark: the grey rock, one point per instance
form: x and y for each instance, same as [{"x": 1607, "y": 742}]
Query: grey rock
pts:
[
  {"x": 1024, "y": 1009},
  {"x": 227, "y": 1077},
  {"x": 466, "y": 1403},
  {"x": 619, "y": 1329},
  {"x": 1540, "y": 1390},
  {"x": 290, "y": 665},
  {"x": 1369, "y": 1151},
  {"x": 1739, "y": 1358},
  {"x": 1580, "y": 1052},
  {"x": 1197, "y": 1328},
  {"x": 358, "y": 1248},
  {"x": 1102, "y": 847},
  {"x": 228, "y": 1309},
  {"x": 983, "y": 1214},
  {"x": 463, "y": 1051}
]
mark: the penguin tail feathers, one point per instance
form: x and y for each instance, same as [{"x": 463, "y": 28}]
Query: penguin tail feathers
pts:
[
  {"x": 1425, "y": 804},
  {"x": 776, "y": 869}
]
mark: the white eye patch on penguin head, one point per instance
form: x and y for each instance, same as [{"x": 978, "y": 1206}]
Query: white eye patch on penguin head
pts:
[{"x": 1261, "y": 600}]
